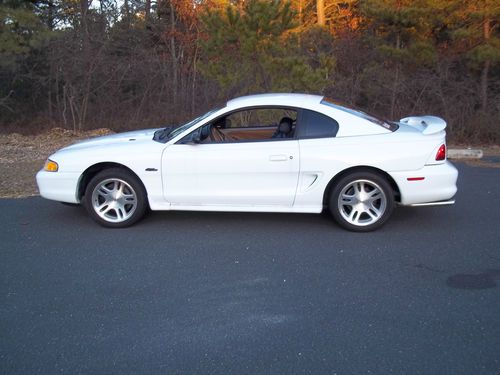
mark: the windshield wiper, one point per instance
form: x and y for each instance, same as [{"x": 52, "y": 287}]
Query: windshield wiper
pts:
[{"x": 161, "y": 135}]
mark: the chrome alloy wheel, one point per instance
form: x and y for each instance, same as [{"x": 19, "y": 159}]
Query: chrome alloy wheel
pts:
[
  {"x": 362, "y": 202},
  {"x": 114, "y": 200}
]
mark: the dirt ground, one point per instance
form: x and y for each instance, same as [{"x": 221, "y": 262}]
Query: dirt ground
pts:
[{"x": 22, "y": 156}]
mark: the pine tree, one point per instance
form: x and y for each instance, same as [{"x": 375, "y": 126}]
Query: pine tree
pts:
[
  {"x": 402, "y": 34},
  {"x": 337, "y": 16},
  {"x": 255, "y": 50},
  {"x": 474, "y": 27},
  {"x": 20, "y": 31}
]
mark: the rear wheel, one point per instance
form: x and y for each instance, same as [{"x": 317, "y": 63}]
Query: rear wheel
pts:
[
  {"x": 362, "y": 201},
  {"x": 115, "y": 198}
]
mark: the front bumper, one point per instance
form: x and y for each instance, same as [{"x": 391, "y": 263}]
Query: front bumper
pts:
[
  {"x": 439, "y": 184},
  {"x": 58, "y": 186}
]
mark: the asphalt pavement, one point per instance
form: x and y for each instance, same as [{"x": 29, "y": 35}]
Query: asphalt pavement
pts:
[{"x": 236, "y": 293}]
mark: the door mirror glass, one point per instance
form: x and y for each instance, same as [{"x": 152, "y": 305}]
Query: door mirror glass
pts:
[
  {"x": 196, "y": 138},
  {"x": 192, "y": 138}
]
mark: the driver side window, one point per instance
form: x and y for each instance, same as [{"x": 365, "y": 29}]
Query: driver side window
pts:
[{"x": 249, "y": 125}]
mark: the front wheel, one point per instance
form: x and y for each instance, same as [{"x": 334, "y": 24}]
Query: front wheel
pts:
[
  {"x": 115, "y": 198},
  {"x": 361, "y": 201}
]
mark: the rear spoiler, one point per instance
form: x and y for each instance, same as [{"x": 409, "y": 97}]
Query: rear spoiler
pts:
[{"x": 426, "y": 124}]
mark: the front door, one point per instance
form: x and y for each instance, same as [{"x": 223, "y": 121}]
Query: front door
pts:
[{"x": 256, "y": 173}]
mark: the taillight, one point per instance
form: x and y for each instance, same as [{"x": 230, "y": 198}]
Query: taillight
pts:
[{"x": 441, "y": 154}]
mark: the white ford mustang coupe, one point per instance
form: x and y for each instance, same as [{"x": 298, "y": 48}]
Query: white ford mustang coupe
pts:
[{"x": 260, "y": 153}]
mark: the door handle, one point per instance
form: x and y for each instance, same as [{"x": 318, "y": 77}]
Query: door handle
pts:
[{"x": 278, "y": 158}]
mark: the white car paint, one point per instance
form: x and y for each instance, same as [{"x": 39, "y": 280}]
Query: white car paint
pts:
[
  {"x": 242, "y": 174},
  {"x": 276, "y": 176}
]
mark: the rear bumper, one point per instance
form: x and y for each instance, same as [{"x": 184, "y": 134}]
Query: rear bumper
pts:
[
  {"x": 58, "y": 186},
  {"x": 439, "y": 184}
]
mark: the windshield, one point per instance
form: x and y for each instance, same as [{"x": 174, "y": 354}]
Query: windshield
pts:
[
  {"x": 376, "y": 120},
  {"x": 184, "y": 127}
]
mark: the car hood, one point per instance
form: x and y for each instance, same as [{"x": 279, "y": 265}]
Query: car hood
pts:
[{"x": 114, "y": 139}]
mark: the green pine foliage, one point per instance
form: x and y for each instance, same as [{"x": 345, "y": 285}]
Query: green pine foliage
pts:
[
  {"x": 402, "y": 30},
  {"x": 21, "y": 31},
  {"x": 256, "y": 50},
  {"x": 468, "y": 33}
]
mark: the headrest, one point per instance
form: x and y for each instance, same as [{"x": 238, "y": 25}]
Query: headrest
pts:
[
  {"x": 285, "y": 125},
  {"x": 284, "y": 128}
]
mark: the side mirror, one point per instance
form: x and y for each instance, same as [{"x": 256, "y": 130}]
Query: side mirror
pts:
[
  {"x": 191, "y": 139},
  {"x": 196, "y": 138}
]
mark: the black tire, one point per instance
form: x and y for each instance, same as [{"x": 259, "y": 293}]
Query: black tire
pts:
[
  {"x": 361, "y": 201},
  {"x": 120, "y": 196}
]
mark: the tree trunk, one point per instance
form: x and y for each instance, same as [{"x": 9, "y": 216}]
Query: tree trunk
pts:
[
  {"x": 320, "y": 10},
  {"x": 51, "y": 15},
  {"x": 193, "y": 83},
  {"x": 396, "y": 80},
  {"x": 126, "y": 7},
  {"x": 174, "y": 57},
  {"x": 395, "y": 91},
  {"x": 301, "y": 22},
  {"x": 84, "y": 8},
  {"x": 147, "y": 11},
  {"x": 49, "y": 91},
  {"x": 486, "y": 68}
]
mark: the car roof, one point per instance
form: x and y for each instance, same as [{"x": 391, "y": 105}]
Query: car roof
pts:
[{"x": 287, "y": 99}]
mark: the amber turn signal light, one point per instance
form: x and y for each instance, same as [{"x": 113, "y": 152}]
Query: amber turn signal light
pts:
[{"x": 51, "y": 166}]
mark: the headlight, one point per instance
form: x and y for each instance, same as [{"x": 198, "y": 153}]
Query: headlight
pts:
[{"x": 50, "y": 166}]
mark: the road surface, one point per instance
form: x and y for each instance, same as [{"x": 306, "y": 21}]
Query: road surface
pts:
[{"x": 219, "y": 293}]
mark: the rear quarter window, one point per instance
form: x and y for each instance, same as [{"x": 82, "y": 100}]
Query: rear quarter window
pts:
[
  {"x": 319, "y": 125},
  {"x": 356, "y": 112}
]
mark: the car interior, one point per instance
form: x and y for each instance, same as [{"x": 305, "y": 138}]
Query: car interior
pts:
[{"x": 251, "y": 125}]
